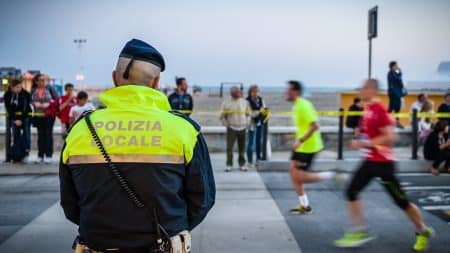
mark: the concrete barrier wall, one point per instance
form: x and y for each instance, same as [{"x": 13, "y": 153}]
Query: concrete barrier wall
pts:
[{"x": 280, "y": 138}]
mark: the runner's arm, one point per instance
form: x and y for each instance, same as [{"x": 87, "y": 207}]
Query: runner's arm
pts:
[
  {"x": 388, "y": 136},
  {"x": 312, "y": 128}
]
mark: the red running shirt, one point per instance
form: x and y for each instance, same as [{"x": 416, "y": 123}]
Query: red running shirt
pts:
[{"x": 376, "y": 117}]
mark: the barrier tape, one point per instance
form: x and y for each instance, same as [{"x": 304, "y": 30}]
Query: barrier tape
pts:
[
  {"x": 267, "y": 114},
  {"x": 325, "y": 113},
  {"x": 19, "y": 113}
]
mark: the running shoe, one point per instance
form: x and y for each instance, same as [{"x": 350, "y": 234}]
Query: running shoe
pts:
[
  {"x": 228, "y": 169},
  {"x": 243, "y": 168},
  {"x": 422, "y": 239},
  {"x": 301, "y": 210},
  {"x": 353, "y": 239}
]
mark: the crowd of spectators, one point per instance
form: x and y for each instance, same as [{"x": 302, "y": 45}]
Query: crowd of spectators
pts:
[
  {"x": 40, "y": 108},
  {"x": 242, "y": 117}
]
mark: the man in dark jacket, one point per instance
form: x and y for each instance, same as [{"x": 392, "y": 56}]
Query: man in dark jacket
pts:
[
  {"x": 180, "y": 100},
  {"x": 162, "y": 155},
  {"x": 396, "y": 89},
  {"x": 17, "y": 102},
  {"x": 353, "y": 120},
  {"x": 445, "y": 108}
]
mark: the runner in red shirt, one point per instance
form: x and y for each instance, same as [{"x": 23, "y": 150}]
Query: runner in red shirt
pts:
[
  {"x": 377, "y": 137},
  {"x": 66, "y": 102}
]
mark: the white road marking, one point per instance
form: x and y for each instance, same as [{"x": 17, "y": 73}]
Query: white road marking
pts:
[
  {"x": 415, "y": 188},
  {"x": 405, "y": 183},
  {"x": 405, "y": 174},
  {"x": 433, "y": 208}
]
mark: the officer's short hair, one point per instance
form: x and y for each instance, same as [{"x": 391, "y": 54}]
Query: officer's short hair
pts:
[
  {"x": 82, "y": 95},
  {"x": 356, "y": 100},
  {"x": 141, "y": 73}
]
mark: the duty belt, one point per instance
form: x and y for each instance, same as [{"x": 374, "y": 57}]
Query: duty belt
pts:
[{"x": 180, "y": 243}]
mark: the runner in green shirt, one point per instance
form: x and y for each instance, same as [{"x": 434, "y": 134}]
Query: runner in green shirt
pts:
[{"x": 308, "y": 142}]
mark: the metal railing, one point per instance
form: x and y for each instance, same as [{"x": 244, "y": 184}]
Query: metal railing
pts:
[{"x": 341, "y": 114}]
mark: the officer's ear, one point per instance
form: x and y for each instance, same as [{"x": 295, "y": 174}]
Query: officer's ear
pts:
[
  {"x": 155, "y": 83},
  {"x": 114, "y": 78}
]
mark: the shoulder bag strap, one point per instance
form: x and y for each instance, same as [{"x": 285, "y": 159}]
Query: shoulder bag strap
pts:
[{"x": 127, "y": 188}]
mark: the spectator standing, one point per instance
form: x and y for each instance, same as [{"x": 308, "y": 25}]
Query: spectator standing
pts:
[
  {"x": 17, "y": 102},
  {"x": 256, "y": 121},
  {"x": 396, "y": 90},
  {"x": 235, "y": 117},
  {"x": 66, "y": 102},
  {"x": 354, "y": 120},
  {"x": 82, "y": 106},
  {"x": 43, "y": 100},
  {"x": 445, "y": 108},
  {"x": 437, "y": 147},
  {"x": 181, "y": 100}
]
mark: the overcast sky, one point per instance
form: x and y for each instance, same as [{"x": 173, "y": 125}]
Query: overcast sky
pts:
[{"x": 323, "y": 43}]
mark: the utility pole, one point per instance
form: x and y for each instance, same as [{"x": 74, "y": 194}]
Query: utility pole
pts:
[
  {"x": 372, "y": 33},
  {"x": 79, "y": 42}
]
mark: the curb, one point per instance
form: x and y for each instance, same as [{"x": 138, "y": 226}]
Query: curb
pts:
[
  {"x": 348, "y": 165},
  {"x": 11, "y": 169}
]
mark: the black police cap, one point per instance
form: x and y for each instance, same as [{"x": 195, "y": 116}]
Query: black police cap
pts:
[{"x": 139, "y": 50}]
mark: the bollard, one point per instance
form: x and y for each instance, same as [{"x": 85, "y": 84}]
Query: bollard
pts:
[
  {"x": 7, "y": 138},
  {"x": 341, "y": 135},
  {"x": 415, "y": 135},
  {"x": 265, "y": 129}
]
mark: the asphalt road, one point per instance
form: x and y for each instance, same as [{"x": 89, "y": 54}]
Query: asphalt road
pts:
[
  {"x": 316, "y": 232},
  {"x": 22, "y": 198}
]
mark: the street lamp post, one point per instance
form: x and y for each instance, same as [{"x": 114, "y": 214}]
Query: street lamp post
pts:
[
  {"x": 79, "y": 42},
  {"x": 372, "y": 33}
]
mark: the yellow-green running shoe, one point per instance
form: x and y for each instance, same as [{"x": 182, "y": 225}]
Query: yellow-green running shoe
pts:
[
  {"x": 422, "y": 239},
  {"x": 353, "y": 239},
  {"x": 301, "y": 210}
]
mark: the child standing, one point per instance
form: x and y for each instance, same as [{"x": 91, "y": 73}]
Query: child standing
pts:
[
  {"x": 82, "y": 106},
  {"x": 66, "y": 103}
]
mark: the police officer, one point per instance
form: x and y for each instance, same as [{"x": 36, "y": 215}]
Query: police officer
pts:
[{"x": 159, "y": 155}]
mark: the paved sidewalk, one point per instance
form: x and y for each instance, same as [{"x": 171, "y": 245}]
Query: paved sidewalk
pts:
[{"x": 244, "y": 217}]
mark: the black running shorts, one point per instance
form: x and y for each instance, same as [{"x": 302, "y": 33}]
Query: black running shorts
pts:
[
  {"x": 304, "y": 160},
  {"x": 385, "y": 172}
]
